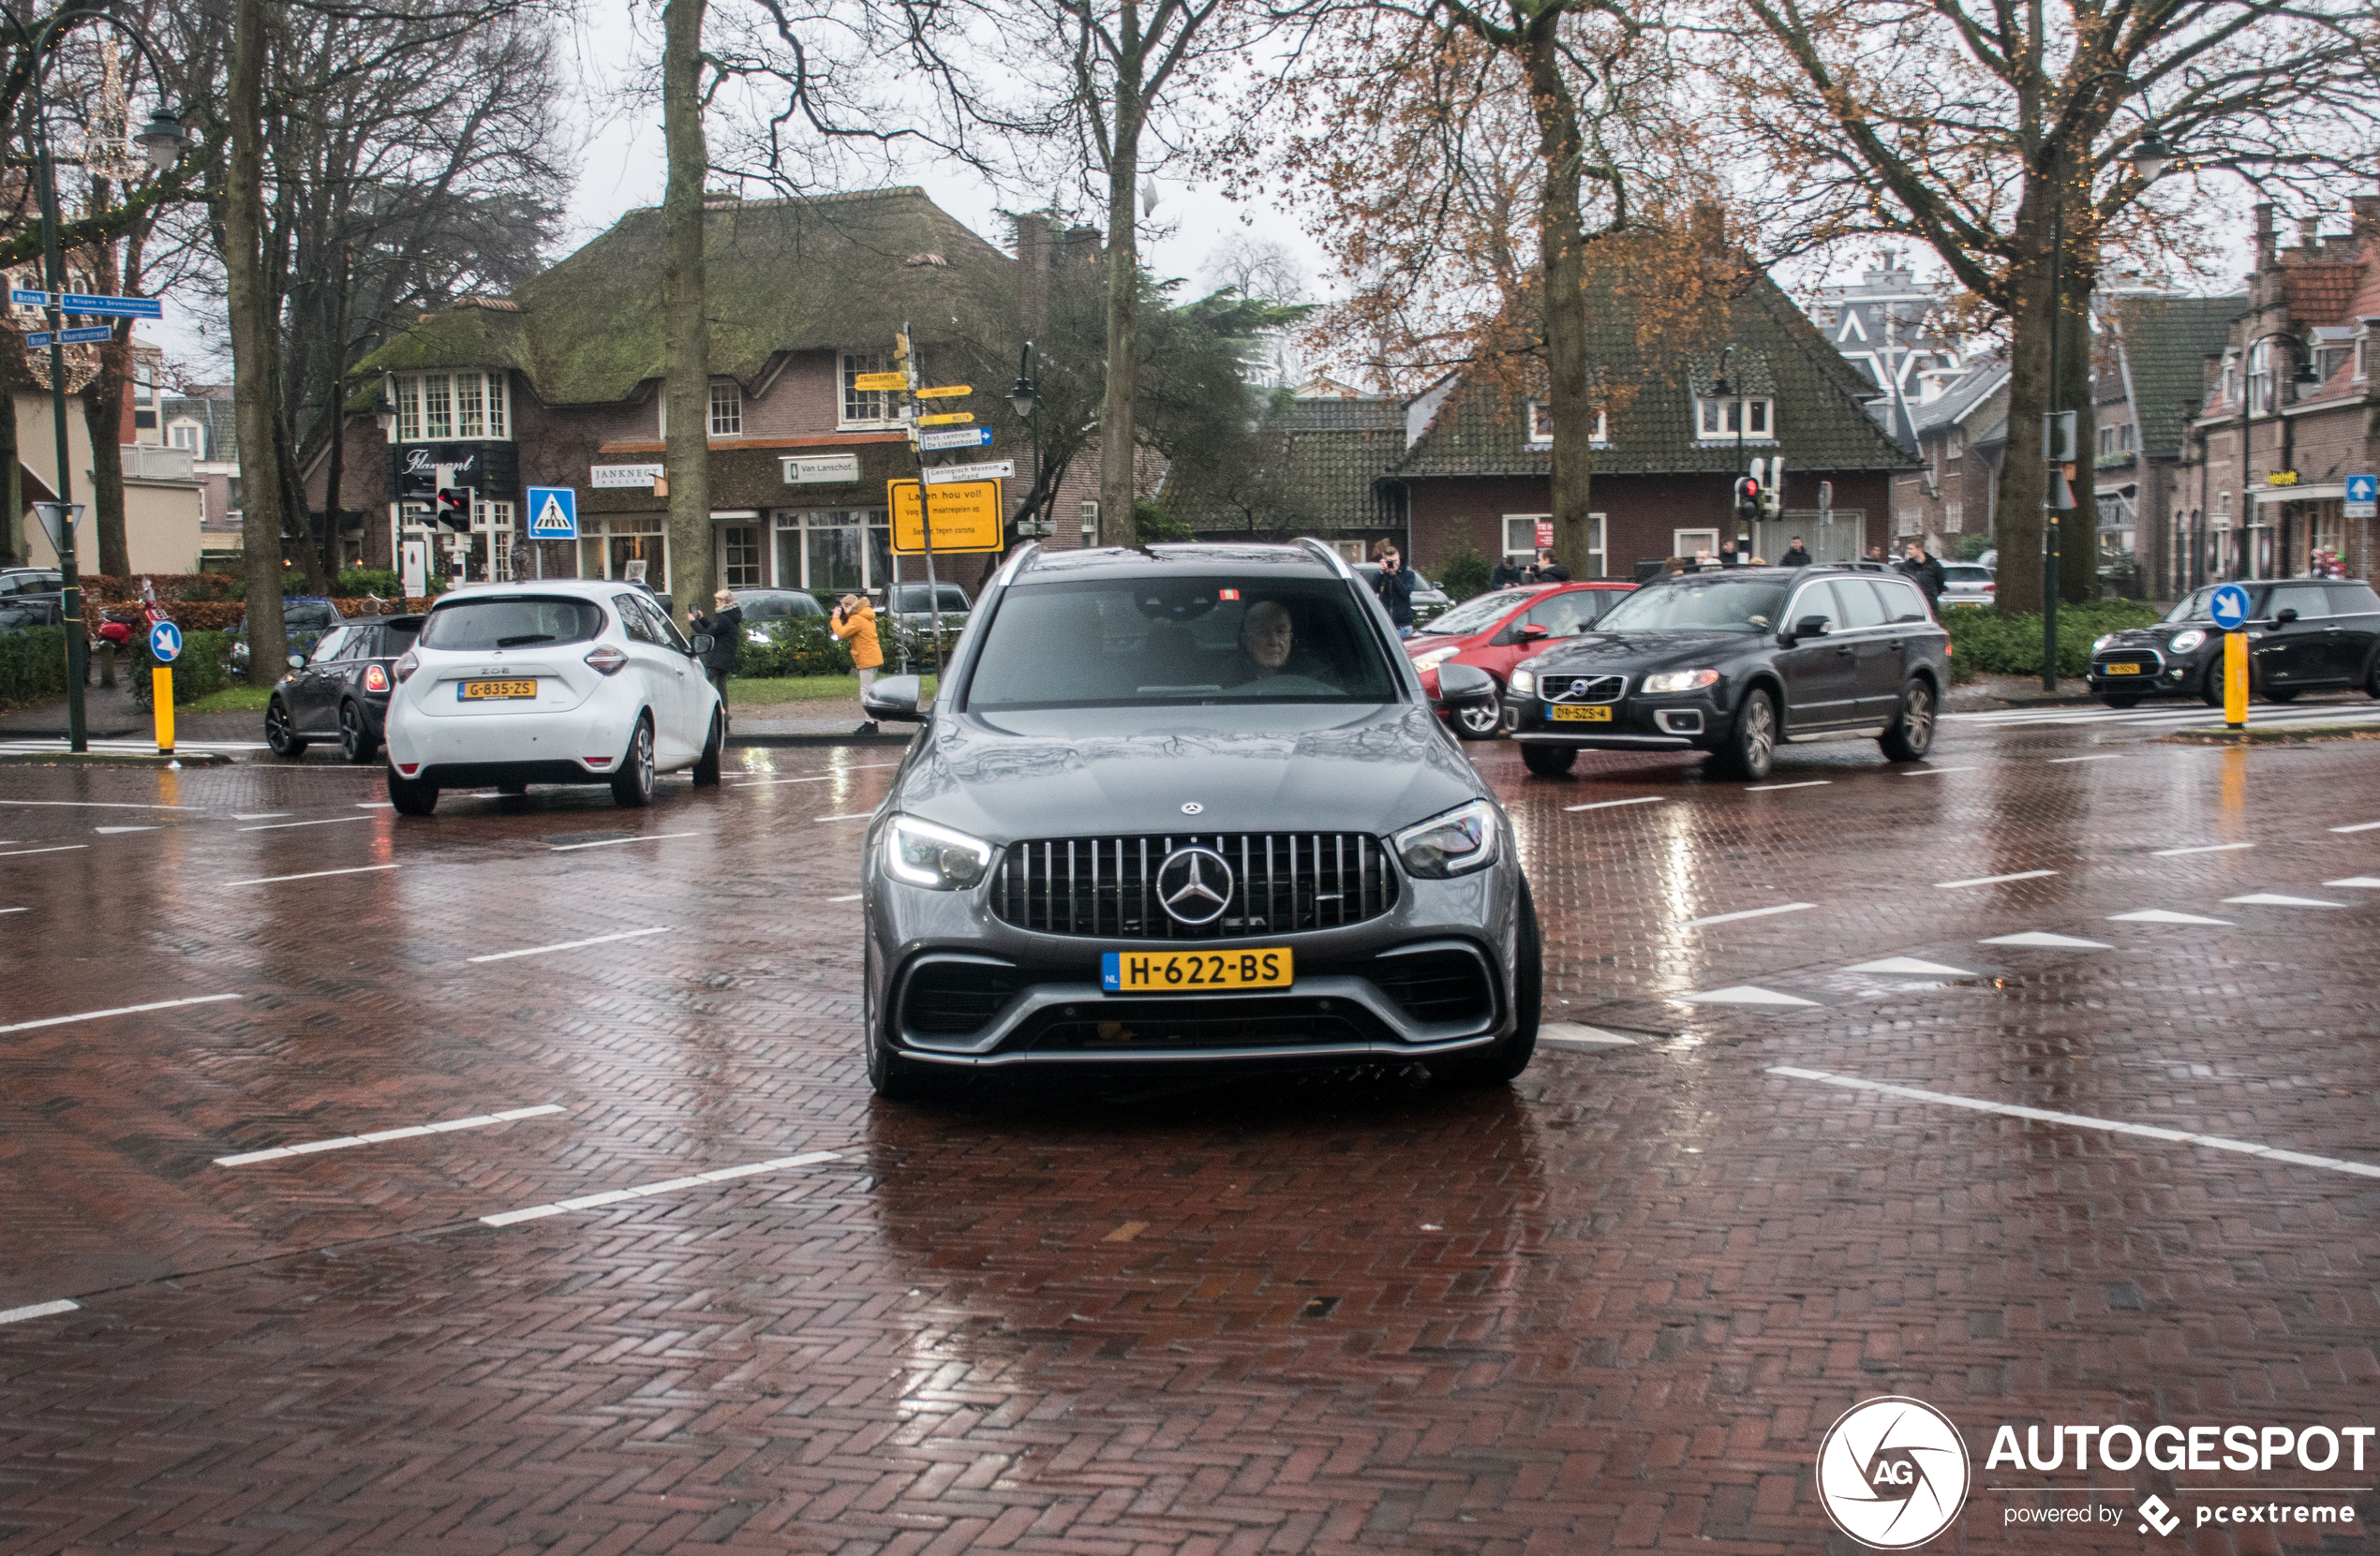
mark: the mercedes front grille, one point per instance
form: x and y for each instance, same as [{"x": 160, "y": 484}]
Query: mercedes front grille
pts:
[{"x": 1281, "y": 882}]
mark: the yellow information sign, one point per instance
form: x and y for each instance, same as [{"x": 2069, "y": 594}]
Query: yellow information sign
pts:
[
  {"x": 947, "y": 418},
  {"x": 871, "y": 383},
  {"x": 967, "y": 515},
  {"x": 947, "y": 392}
]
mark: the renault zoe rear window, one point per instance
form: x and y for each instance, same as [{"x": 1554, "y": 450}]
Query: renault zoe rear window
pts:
[
  {"x": 515, "y": 622},
  {"x": 1126, "y": 643}
]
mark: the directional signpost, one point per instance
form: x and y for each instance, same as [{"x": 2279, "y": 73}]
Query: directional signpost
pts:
[
  {"x": 2229, "y": 609},
  {"x": 94, "y": 305},
  {"x": 165, "y": 647},
  {"x": 960, "y": 438},
  {"x": 90, "y": 336}
]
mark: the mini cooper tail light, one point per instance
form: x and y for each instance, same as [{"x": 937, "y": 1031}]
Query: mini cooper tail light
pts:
[
  {"x": 607, "y": 661},
  {"x": 406, "y": 666},
  {"x": 376, "y": 679}
]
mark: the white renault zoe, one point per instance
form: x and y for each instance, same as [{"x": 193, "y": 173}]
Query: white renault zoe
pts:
[{"x": 560, "y": 681}]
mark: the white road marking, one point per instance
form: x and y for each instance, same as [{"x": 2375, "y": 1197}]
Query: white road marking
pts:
[
  {"x": 1911, "y": 964},
  {"x": 39, "y": 1309},
  {"x": 109, "y": 805},
  {"x": 2111, "y": 756},
  {"x": 2202, "y": 848},
  {"x": 1606, "y": 804},
  {"x": 327, "y": 820},
  {"x": 2359, "y": 826},
  {"x": 309, "y": 875},
  {"x": 1933, "y": 772},
  {"x": 2080, "y": 1120},
  {"x": 120, "y": 1010},
  {"x": 62, "y": 848},
  {"x": 614, "y": 842},
  {"x": 2045, "y": 941},
  {"x": 260, "y": 815},
  {"x": 589, "y": 1202},
  {"x": 15, "y": 909},
  {"x": 1743, "y": 994},
  {"x": 1992, "y": 879},
  {"x": 822, "y": 778},
  {"x": 856, "y": 816},
  {"x": 1773, "y": 788},
  {"x": 1749, "y": 912},
  {"x": 2368, "y": 881},
  {"x": 345, "y": 1141},
  {"x": 373, "y": 805},
  {"x": 569, "y": 945},
  {"x": 2160, "y": 915},
  {"x": 1571, "y": 1034},
  {"x": 853, "y": 898},
  {"x": 112, "y": 831},
  {"x": 2275, "y": 899}
]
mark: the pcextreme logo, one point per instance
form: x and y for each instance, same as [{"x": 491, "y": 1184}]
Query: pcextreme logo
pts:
[{"x": 1893, "y": 1473}]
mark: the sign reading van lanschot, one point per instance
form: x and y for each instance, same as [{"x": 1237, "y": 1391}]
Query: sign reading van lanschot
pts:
[{"x": 811, "y": 470}]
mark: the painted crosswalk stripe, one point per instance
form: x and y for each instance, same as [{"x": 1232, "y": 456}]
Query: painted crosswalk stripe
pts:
[
  {"x": 2200, "y": 848},
  {"x": 260, "y": 815},
  {"x": 1934, "y": 771},
  {"x": 327, "y": 820},
  {"x": 1571, "y": 1034},
  {"x": 853, "y": 898},
  {"x": 101, "y": 804},
  {"x": 112, "y": 831},
  {"x": 1773, "y": 788},
  {"x": 613, "y": 1196},
  {"x": 2111, "y": 756},
  {"x": 2043, "y": 941},
  {"x": 2077, "y": 1120},
  {"x": 1606, "y": 804},
  {"x": 615, "y": 842},
  {"x": 348, "y": 1142},
  {"x": 569, "y": 945},
  {"x": 1910, "y": 965},
  {"x": 854, "y": 816},
  {"x": 119, "y": 1010},
  {"x": 1743, "y": 994},
  {"x": 2367, "y": 881},
  {"x": 1749, "y": 912},
  {"x": 2359, "y": 826},
  {"x": 1992, "y": 879},
  {"x": 2163, "y": 915},
  {"x": 61, "y": 847},
  {"x": 309, "y": 875},
  {"x": 38, "y": 1310},
  {"x": 2277, "y": 900}
]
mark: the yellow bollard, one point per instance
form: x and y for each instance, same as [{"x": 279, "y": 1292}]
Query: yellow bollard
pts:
[
  {"x": 162, "y": 692},
  {"x": 2235, "y": 680}
]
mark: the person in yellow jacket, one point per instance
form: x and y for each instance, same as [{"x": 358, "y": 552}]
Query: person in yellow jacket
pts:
[{"x": 854, "y": 620}]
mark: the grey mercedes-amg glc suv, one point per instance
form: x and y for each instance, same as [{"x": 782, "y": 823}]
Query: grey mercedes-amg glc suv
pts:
[{"x": 1187, "y": 805}]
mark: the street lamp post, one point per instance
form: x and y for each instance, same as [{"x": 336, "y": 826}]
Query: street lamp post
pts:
[
  {"x": 1024, "y": 398},
  {"x": 162, "y": 139},
  {"x": 1722, "y": 388}
]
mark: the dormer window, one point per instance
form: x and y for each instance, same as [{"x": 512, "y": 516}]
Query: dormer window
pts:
[
  {"x": 1752, "y": 418},
  {"x": 183, "y": 433},
  {"x": 441, "y": 407},
  {"x": 1542, "y": 424},
  {"x": 867, "y": 408},
  {"x": 726, "y": 409}
]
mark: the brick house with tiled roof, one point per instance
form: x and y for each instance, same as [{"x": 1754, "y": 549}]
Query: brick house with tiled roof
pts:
[
  {"x": 1961, "y": 436},
  {"x": 1477, "y": 470},
  {"x": 2287, "y": 414},
  {"x": 1321, "y": 470},
  {"x": 2150, "y": 380}
]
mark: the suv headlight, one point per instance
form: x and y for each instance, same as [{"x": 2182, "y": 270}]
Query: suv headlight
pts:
[
  {"x": 1433, "y": 659},
  {"x": 2184, "y": 642},
  {"x": 1523, "y": 682},
  {"x": 1680, "y": 680},
  {"x": 1456, "y": 843},
  {"x": 934, "y": 858}
]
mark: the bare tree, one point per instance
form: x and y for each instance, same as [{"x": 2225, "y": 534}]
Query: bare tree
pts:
[
  {"x": 686, "y": 329},
  {"x": 1257, "y": 267}
]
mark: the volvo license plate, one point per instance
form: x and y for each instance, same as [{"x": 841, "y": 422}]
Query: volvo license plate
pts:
[
  {"x": 487, "y": 691},
  {"x": 1578, "y": 716},
  {"x": 1194, "y": 972},
  {"x": 2124, "y": 669}
]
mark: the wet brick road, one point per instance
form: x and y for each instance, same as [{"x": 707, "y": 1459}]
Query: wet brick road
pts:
[{"x": 1614, "y": 1307}]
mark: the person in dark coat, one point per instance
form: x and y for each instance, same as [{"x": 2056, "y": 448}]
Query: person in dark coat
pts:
[
  {"x": 1394, "y": 585},
  {"x": 1505, "y": 574},
  {"x": 1795, "y": 556},
  {"x": 1925, "y": 570},
  {"x": 1548, "y": 571},
  {"x": 1728, "y": 555},
  {"x": 725, "y": 624}
]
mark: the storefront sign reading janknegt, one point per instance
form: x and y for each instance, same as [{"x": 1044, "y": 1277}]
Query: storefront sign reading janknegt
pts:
[
  {"x": 811, "y": 470},
  {"x": 600, "y": 476}
]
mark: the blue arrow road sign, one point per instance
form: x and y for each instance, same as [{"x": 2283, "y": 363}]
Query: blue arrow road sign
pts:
[
  {"x": 2229, "y": 607},
  {"x": 553, "y": 513},
  {"x": 961, "y": 437},
  {"x": 111, "y": 307},
  {"x": 2363, "y": 497},
  {"x": 165, "y": 643}
]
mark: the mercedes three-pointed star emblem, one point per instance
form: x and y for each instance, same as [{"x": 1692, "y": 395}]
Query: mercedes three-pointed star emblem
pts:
[{"x": 1193, "y": 885}]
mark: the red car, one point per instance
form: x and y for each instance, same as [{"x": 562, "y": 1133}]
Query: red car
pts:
[{"x": 1496, "y": 632}]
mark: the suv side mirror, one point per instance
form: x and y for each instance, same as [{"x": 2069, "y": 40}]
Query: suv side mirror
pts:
[
  {"x": 895, "y": 697},
  {"x": 1810, "y": 626},
  {"x": 2285, "y": 616},
  {"x": 703, "y": 642},
  {"x": 1465, "y": 686}
]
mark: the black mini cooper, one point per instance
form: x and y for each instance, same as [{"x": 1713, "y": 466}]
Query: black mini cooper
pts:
[
  {"x": 2304, "y": 634},
  {"x": 1735, "y": 662}
]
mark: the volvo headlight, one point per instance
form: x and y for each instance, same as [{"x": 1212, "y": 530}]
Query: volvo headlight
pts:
[
  {"x": 1433, "y": 659},
  {"x": 1523, "y": 682},
  {"x": 2184, "y": 642},
  {"x": 934, "y": 858},
  {"x": 1456, "y": 843},
  {"x": 1680, "y": 680}
]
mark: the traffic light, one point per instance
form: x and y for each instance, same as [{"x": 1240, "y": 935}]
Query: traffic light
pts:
[
  {"x": 1772, "y": 494},
  {"x": 452, "y": 508},
  {"x": 1748, "y": 498}
]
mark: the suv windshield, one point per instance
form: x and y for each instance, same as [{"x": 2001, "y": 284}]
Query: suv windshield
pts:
[
  {"x": 912, "y": 597},
  {"x": 470, "y": 624},
  {"x": 1703, "y": 604},
  {"x": 2198, "y": 607},
  {"x": 1478, "y": 616},
  {"x": 1148, "y": 642}
]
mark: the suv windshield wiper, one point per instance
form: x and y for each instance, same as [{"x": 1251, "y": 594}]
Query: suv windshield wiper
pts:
[{"x": 525, "y": 637}]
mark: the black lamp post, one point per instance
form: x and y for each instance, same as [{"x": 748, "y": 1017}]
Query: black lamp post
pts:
[
  {"x": 1722, "y": 389},
  {"x": 1024, "y": 398},
  {"x": 162, "y": 139}
]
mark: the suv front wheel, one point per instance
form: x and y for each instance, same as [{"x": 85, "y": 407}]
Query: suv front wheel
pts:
[
  {"x": 1912, "y": 733},
  {"x": 1751, "y": 750}
]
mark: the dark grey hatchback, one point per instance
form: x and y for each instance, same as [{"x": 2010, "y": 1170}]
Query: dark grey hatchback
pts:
[{"x": 1188, "y": 805}]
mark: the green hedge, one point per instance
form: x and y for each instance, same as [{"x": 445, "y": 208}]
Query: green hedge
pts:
[
  {"x": 1989, "y": 644},
  {"x": 205, "y": 666},
  {"x": 1462, "y": 572},
  {"x": 806, "y": 645},
  {"x": 33, "y": 666}
]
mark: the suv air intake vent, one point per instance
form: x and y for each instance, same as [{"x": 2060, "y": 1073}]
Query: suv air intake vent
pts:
[{"x": 1280, "y": 882}]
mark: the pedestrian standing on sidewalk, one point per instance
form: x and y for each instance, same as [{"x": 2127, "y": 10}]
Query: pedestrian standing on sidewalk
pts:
[
  {"x": 854, "y": 620},
  {"x": 1795, "y": 556},
  {"x": 1923, "y": 571},
  {"x": 725, "y": 624},
  {"x": 1394, "y": 585}
]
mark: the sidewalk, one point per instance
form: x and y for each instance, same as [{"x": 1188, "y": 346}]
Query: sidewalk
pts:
[
  {"x": 111, "y": 714},
  {"x": 1988, "y": 692}
]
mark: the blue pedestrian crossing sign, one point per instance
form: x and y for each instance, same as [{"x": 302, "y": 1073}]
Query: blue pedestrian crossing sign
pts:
[
  {"x": 553, "y": 513},
  {"x": 2363, "y": 497},
  {"x": 165, "y": 643},
  {"x": 2229, "y": 607}
]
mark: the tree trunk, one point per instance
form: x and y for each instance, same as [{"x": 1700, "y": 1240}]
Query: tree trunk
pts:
[
  {"x": 334, "y": 511},
  {"x": 11, "y": 522},
  {"x": 103, "y": 412},
  {"x": 2017, "y": 522},
  {"x": 2078, "y": 530},
  {"x": 252, "y": 343},
  {"x": 1562, "y": 241},
  {"x": 687, "y": 332},
  {"x": 1118, "y": 432}
]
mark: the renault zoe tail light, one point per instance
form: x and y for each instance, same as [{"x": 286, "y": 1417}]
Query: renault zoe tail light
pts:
[{"x": 406, "y": 666}]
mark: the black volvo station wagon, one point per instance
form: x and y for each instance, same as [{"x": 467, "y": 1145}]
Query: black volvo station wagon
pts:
[
  {"x": 1734, "y": 662},
  {"x": 1188, "y": 805}
]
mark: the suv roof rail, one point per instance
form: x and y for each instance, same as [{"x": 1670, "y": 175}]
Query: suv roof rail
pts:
[
  {"x": 1014, "y": 565},
  {"x": 1329, "y": 553}
]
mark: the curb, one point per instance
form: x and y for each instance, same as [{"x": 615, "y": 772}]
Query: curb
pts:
[
  {"x": 781, "y": 740},
  {"x": 114, "y": 759},
  {"x": 2301, "y": 734}
]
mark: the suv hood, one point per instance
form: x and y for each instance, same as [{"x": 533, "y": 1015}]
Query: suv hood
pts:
[
  {"x": 1618, "y": 652},
  {"x": 1080, "y": 772}
]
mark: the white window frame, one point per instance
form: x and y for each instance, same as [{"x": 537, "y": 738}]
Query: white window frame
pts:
[
  {"x": 852, "y": 405},
  {"x": 1684, "y": 543},
  {"x": 197, "y": 429},
  {"x": 2363, "y": 356},
  {"x": 1714, "y": 415},
  {"x": 2261, "y": 387},
  {"x": 1090, "y": 515},
  {"x": 1541, "y": 417},
  {"x": 494, "y": 392},
  {"x": 1528, "y": 519},
  {"x": 726, "y": 409},
  {"x": 795, "y": 521}
]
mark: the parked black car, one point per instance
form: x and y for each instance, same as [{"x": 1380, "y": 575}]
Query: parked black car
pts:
[
  {"x": 17, "y": 581},
  {"x": 1734, "y": 662},
  {"x": 2304, "y": 634},
  {"x": 763, "y": 606},
  {"x": 1187, "y": 805},
  {"x": 25, "y": 612},
  {"x": 304, "y": 617},
  {"x": 341, "y": 691}
]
